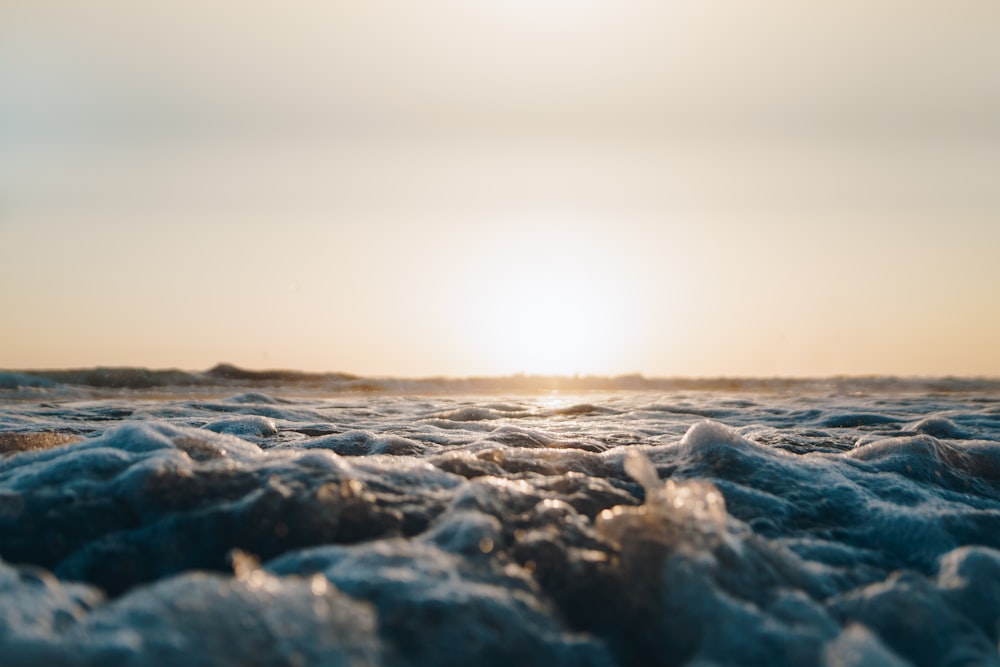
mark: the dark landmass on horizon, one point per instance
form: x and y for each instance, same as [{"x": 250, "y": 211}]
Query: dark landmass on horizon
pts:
[{"x": 225, "y": 375}]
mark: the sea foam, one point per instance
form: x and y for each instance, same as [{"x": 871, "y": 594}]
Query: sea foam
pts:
[{"x": 689, "y": 527}]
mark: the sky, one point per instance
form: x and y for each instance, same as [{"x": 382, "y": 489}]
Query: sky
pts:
[{"x": 484, "y": 187}]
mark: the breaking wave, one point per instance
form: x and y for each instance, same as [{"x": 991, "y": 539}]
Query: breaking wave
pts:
[{"x": 770, "y": 524}]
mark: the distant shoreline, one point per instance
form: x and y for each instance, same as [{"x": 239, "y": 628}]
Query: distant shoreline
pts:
[{"x": 227, "y": 375}]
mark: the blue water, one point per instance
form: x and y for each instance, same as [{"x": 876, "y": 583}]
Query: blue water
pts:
[{"x": 343, "y": 521}]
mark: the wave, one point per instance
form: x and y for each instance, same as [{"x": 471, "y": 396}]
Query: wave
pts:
[{"x": 622, "y": 529}]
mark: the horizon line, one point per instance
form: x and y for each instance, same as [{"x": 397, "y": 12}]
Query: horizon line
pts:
[{"x": 228, "y": 371}]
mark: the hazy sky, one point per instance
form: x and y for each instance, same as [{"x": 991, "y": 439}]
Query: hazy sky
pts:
[{"x": 710, "y": 187}]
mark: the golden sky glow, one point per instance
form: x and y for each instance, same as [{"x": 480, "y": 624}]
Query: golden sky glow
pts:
[{"x": 463, "y": 187}]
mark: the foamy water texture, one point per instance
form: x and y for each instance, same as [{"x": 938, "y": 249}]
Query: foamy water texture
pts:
[{"x": 846, "y": 526}]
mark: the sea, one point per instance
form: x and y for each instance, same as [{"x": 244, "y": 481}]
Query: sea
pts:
[{"x": 235, "y": 517}]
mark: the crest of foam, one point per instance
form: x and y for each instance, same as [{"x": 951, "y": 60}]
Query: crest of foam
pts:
[{"x": 675, "y": 512}]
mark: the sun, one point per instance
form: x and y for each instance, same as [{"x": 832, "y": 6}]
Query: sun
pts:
[
  {"x": 550, "y": 322},
  {"x": 550, "y": 302}
]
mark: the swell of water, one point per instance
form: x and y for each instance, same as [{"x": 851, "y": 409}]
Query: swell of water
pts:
[{"x": 819, "y": 524}]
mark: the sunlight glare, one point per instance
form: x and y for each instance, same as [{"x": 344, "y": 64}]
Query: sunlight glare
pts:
[{"x": 552, "y": 303}]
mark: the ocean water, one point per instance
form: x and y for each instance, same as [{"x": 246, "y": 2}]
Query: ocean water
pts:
[{"x": 151, "y": 518}]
